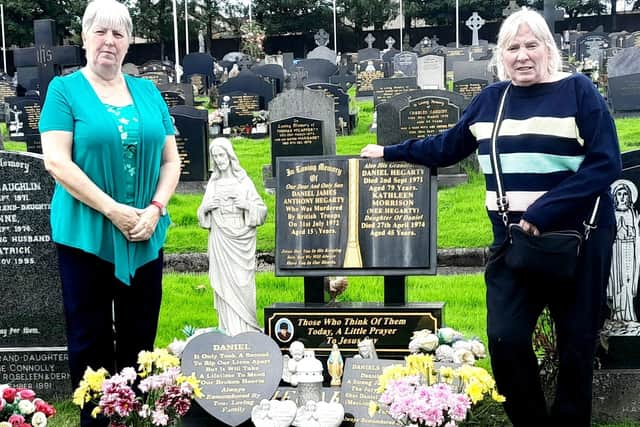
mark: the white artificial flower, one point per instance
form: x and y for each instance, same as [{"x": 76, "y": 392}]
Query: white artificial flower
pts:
[
  {"x": 465, "y": 345},
  {"x": 130, "y": 374},
  {"x": 420, "y": 333},
  {"x": 463, "y": 356},
  {"x": 26, "y": 407},
  {"x": 448, "y": 335},
  {"x": 5, "y": 424},
  {"x": 444, "y": 353},
  {"x": 177, "y": 347},
  {"x": 39, "y": 419},
  {"x": 478, "y": 350}
]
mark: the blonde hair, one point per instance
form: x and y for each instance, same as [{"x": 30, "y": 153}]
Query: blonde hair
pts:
[
  {"x": 540, "y": 30},
  {"x": 108, "y": 13}
]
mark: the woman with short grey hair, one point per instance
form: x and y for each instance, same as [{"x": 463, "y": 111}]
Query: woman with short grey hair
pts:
[{"x": 559, "y": 152}]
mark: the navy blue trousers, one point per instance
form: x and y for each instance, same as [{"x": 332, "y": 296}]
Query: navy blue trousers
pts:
[
  {"x": 514, "y": 303},
  {"x": 108, "y": 322}
]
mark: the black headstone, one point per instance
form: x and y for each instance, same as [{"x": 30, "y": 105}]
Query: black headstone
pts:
[
  {"x": 159, "y": 77},
  {"x": 198, "y": 63},
  {"x": 242, "y": 106},
  {"x": 32, "y": 330},
  {"x": 24, "y": 115},
  {"x": 385, "y": 89},
  {"x": 591, "y": 46},
  {"x": 185, "y": 90},
  {"x": 235, "y": 373},
  {"x": 417, "y": 114},
  {"x": 354, "y": 216},
  {"x": 193, "y": 142},
  {"x": 249, "y": 83},
  {"x": 469, "y": 87},
  {"x": 295, "y": 136},
  {"x": 318, "y": 70},
  {"x": 340, "y": 101},
  {"x": 368, "y": 71},
  {"x": 274, "y": 73}
]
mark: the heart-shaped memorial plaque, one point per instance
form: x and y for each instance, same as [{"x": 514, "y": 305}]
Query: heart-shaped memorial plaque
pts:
[{"x": 235, "y": 373}]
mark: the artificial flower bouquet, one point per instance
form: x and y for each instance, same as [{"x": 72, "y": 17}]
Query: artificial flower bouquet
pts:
[
  {"x": 421, "y": 394},
  {"x": 164, "y": 393},
  {"x": 447, "y": 345},
  {"x": 19, "y": 407}
]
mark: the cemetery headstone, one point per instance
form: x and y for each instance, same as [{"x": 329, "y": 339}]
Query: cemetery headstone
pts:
[
  {"x": 248, "y": 94},
  {"x": 471, "y": 77},
  {"x": 235, "y": 373},
  {"x": 242, "y": 107},
  {"x": 385, "y": 89},
  {"x": 22, "y": 121},
  {"x": 198, "y": 82},
  {"x": 46, "y": 58},
  {"x": 592, "y": 46},
  {"x": 406, "y": 63},
  {"x": 368, "y": 71},
  {"x": 624, "y": 81},
  {"x": 474, "y": 23},
  {"x": 199, "y": 63},
  {"x": 390, "y": 51},
  {"x": 319, "y": 70},
  {"x": 417, "y": 114},
  {"x": 424, "y": 47},
  {"x": 431, "y": 72},
  {"x": 7, "y": 90},
  {"x": 131, "y": 69},
  {"x": 158, "y": 77},
  {"x": 274, "y": 59},
  {"x": 32, "y": 326},
  {"x": 185, "y": 90},
  {"x": 369, "y": 52},
  {"x": 193, "y": 142},
  {"x": 335, "y": 214},
  {"x": 345, "y": 79},
  {"x": 632, "y": 40},
  {"x": 274, "y": 73},
  {"x": 322, "y": 51},
  {"x": 340, "y": 101},
  {"x": 295, "y": 136}
]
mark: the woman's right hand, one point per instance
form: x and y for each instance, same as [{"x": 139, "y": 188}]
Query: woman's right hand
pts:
[
  {"x": 372, "y": 151},
  {"x": 124, "y": 217}
]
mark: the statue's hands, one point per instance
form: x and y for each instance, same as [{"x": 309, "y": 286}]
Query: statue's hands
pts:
[
  {"x": 241, "y": 203},
  {"x": 214, "y": 203}
]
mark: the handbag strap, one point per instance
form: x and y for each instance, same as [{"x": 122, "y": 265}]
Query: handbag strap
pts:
[{"x": 501, "y": 197}]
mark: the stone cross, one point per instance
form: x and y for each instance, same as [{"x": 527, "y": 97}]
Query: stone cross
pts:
[
  {"x": 370, "y": 39},
  {"x": 299, "y": 76},
  {"x": 511, "y": 8},
  {"x": 45, "y": 55},
  {"x": 474, "y": 23},
  {"x": 321, "y": 37},
  {"x": 390, "y": 41},
  {"x": 434, "y": 40}
]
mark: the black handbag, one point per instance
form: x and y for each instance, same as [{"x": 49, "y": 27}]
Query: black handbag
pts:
[{"x": 552, "y": 254}]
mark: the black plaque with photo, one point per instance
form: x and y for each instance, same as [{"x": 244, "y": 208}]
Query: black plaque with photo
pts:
[
  {"x": 341, "y": 215},
  {"x": 295, "y": 136},
  {"x": 242, "y": 105}
]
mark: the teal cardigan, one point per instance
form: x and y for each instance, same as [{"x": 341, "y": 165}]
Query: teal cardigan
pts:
[{"x": 72, "y": 105}]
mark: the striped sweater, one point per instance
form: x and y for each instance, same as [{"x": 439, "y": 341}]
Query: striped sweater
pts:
[{"x": 558, "y": 149}]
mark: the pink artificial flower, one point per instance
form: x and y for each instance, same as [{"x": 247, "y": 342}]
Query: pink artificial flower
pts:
[
  {"x": 16, "y": 420},
  {"x": 27, "y": 394}
]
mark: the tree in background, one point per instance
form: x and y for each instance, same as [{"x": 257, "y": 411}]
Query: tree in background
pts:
[
  {"x": 20, "y": 14},
  {"x": 293, "y": 16},
  {"x": 252, "y": 38},
  {"x": 365, "y": 13}
]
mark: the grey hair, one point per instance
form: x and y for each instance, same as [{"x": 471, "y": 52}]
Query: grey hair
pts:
[
  {"x": 540, "y": 30},
  {"x": 108, "y": 13}
]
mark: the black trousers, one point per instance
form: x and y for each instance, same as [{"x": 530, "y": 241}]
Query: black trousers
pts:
[
  {"x": 108, "y": 322},
  {"x": 514, "y": 303}
]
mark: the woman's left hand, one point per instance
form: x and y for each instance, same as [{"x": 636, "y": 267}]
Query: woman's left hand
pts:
[{"x": 146, "y": 224}]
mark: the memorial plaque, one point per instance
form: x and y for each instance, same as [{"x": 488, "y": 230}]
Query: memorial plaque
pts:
[
  {"x": 235, "y": 373},
  {"x": 193, "y": 142},
  {"x": 428, "y": 116},
  {"x": 469, "y": 88},
  {"x": 32, "y": 326},
  {"x": 185, "y": 90},
  {"x": 172, "y": 98},
  {"x": 368, "y": 71},
  {"x": 318, "y": 70},
  {"x": 359, "y": 388},
  {"x": 406, "y": 63},
  {"x": 23, "y": 119},
  {"x": 344, "y": 324},
  {"x": 7, "y": 90},
  {"x": 591, "y": 46},
  {"x": 385, "y": 89},
  {"x": 354, "y": 216},
  {"x": 295, "y": 136},
  {"x": 242, "y": 106}
]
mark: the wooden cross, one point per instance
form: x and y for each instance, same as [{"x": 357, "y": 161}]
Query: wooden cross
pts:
[{"x": 48, "y": 58}]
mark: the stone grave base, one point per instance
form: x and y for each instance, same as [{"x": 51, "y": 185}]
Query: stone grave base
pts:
[
  {"x": 616, "y": 395},
  {"x": 191, "y": 187}
]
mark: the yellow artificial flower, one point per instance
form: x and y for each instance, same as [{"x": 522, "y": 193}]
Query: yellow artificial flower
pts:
[
  {"x": 447, "y": 374},
  {"x": 389, "y": 373},
  {"x": 474, "y": 391},
  {"x": 95, "y": 379},
  {"x": 96, "y": 411},
  {"x": 159, "y": 360},
  {"x": 497, "y": 396},
  {"x": 81, "y": 394},
  {"x": 373, "y": 408},
  {"x": 193, "y": 381}
]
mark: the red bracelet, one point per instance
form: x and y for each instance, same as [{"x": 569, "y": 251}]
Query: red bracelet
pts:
[{"x": 158, "y": 205}]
